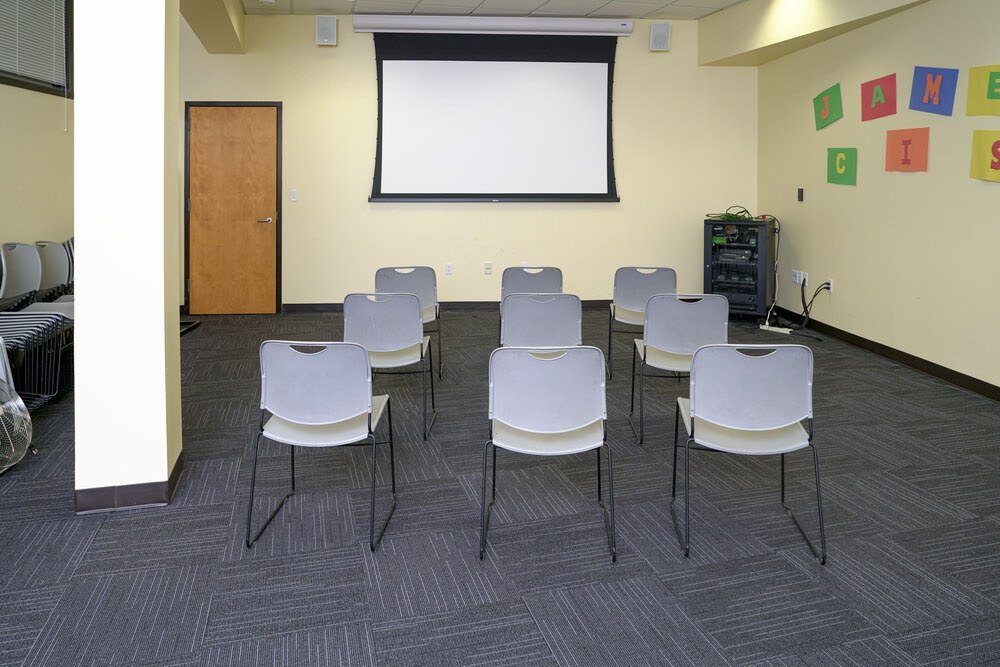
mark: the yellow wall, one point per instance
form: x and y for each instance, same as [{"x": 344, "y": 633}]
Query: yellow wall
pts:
[
  {"x": 684, "y": 144},
  {"x": 36, "y": 167},
  {"x": 911, "y": 254}
]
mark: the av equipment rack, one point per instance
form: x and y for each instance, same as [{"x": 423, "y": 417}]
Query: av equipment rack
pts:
[{"x": 739, "y": 263}]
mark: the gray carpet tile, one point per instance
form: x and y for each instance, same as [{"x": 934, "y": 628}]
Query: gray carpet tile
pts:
[
  {"x": 910, "y": 466},
  {"x": 623, "y": 622},
  {"x": 336, "y": 645},
  {"x": 500, "y": 633},
  {"x": 276, "y": 596},
  {"x": 126, "y": 618},
  {"x": 22, "y": 619},
  {"x": 419, "y": 574}
]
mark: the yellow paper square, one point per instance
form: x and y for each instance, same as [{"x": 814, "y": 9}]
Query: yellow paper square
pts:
[
  {"x": 984, "y": 91},
  {"x": 985, "y": 155}
]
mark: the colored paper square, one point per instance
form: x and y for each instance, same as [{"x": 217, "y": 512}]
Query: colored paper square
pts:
[
  {"x": 933, "y": 90},
  {"x": 906, "y": 150},
  {"x": 827, "y": 106},
  {"x": 842, "y": 166},
  {"x": 985, "y": 155},
  {"x": 878, "y": 98},
  {"x": 984, "y": 91}
]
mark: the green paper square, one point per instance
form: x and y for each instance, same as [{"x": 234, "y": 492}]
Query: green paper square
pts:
[
  {"x": 842, "y": 166},
  {"x": 829, "y": 103}
]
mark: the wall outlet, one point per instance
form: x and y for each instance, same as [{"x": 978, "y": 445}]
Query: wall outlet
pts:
[
  {"x": 800, "y": 277},
  {"x": 447, "y": 268},
  {"x": 524, "y": 264},
  {"x": 830, "y": 280},
  {"x": 293, "y": 195},
  {"x": 488, "y": 268}
]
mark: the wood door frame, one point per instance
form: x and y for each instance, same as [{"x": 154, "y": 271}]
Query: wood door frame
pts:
[{"x": 187, "y": 196}]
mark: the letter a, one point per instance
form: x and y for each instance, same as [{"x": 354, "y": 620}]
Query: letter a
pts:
[
  {"x": 841, "y": 158},
  {"x": 995, "y": 164},
  {"x": 933, "y": 89},
  {"x": 877, "y": 96},
  {"x": 825, "y": 113},
  {"x": 906, "y": 151}
]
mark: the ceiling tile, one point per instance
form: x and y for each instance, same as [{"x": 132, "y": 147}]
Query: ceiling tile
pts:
[
  {"x": 508, "y": 6},
  {"x": 680, "y": 12},
  {"x": 627, "y": 10},
  {"x": 322, "y": 6},
  {"x": 569, "y": 7},
  {"x": 378, "y": 7},
  {"x": 497, "y": 12},
  {"x": 468, "y": 4},
  {"x": 256, "y": 7},
  {"x": 441, "y": 10}
]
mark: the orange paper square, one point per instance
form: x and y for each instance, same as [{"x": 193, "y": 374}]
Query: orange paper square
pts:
[{"x": 906, "y": 150}]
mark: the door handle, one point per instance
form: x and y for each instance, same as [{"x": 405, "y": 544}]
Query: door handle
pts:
[{"x": 266, "y": 220}]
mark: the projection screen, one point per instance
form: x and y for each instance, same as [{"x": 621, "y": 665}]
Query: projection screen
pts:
[{"x": 494, "y": 118}]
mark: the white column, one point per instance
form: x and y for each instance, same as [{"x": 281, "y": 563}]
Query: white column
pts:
[{"x": 127, "y": 216}]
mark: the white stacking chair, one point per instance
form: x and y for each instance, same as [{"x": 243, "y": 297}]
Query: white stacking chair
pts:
[
  {"x": 751, "y": 400},
  {"x": 68, "y": 244},
  {"x": 390, "y": 327},
  {"x": 547, "y": 402},
  {"x": 55, "y": 267},
  {"x": 419, "y": 280},
  {"x": 632, "y": 289},
  {"x": 541, "y": 320},
  {"x": 531, "y": 280},
  {"x": 21, "y": 270},
  {"x": 674, "y": 326},
  {"x": 319, "y": 395}
]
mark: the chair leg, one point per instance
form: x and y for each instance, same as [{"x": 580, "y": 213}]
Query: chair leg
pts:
[
  {"x": 685, "y": 538},
  {"x": 821, "y": 554},
  {"x": 392, "y": 451},
  {"x": 611, "y": 503},
  {"x": 253, "y": 480},
  {"x": 631, "y": 405},
  {"x": 673, "y": 481},
  {"x": 611, "y": 322},
  {"x": 440, "y": 358},
  {"x": 428, "y": 369},
  {"x": 484, "y": 517},
  {"x": 374, "y": 541}
]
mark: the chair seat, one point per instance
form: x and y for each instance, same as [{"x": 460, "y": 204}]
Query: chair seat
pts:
[
  {"x": 398, "y": 358},
  {"x": 429, "y": 314},
  {"x": 667, "y": 361},
  {"x": 548, "y": 444},
  {"x": 65, "y": 308},
  {"x": 345, "y": 432},
  {"x": 754, "y": 443},
  {"x": 628, "y": 316}
]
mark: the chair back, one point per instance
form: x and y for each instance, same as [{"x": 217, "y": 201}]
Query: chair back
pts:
[
  {"x": 6, "y": 377},
  {"x": 635, "y": 284},
  {"x": 541, "y": 320},
  {"x": 752, "y": 387},
  {"x": 69, "y": 245},
  {"x": 530, "y": 280},
  {"x": 681, "y": 323},
  {"x": 419, "y": 280},
  {"x": 547, "y": 391},
  {"x": 383, "y": 322},
  {"x": 314, "y": 383},
  {"x": 22, "y": 269},
  {"x": 55, "y": 264}
]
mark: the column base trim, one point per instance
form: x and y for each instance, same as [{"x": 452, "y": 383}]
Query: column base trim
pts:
[{"x": 129, "y": 496}]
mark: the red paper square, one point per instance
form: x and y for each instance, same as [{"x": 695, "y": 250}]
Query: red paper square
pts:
[{"x": 878, "y": 98}]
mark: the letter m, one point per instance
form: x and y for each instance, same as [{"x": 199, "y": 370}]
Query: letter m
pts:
[{"x": 933, "y": 89}]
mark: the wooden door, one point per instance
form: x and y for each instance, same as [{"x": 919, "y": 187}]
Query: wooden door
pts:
[{"x": 233, "y": 227}]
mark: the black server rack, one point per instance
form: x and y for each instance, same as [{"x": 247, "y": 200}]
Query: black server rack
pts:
[{"x": 739, "y": 263}]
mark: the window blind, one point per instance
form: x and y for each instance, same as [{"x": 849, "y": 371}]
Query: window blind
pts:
[{"x": 33, "y": 40}]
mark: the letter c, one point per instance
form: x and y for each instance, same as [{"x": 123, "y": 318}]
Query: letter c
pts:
[{"x": 841, "y": 158}]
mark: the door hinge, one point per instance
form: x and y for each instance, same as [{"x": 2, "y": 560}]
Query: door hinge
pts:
[{"x": 188, "y": 283}]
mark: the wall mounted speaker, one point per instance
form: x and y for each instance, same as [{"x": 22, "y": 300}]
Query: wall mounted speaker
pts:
[
  {"x": 326, "y": 30},
  {"x": 659, "y": 36}
]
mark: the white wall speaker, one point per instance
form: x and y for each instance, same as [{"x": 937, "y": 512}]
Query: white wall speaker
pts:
[
  {"x": 326, "y": 30},
  {"x": 659, "y": 36}
]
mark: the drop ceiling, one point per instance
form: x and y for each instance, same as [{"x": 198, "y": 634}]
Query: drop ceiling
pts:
[{"x": 649, "y": 9}]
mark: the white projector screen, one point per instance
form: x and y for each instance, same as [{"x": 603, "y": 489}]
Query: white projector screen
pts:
[
  {"x": 492, "y": 127},
  {"x": 498, "y": 122}
]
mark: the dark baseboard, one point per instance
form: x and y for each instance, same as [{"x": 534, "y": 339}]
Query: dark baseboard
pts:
[
  {"x": 445, "y": 305},
  {"x": 129, "y": 496},
  {"x": 962, "y": 380}
]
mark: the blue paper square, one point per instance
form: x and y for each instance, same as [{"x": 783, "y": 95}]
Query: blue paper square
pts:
[{"x": 933, "y": 90}]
